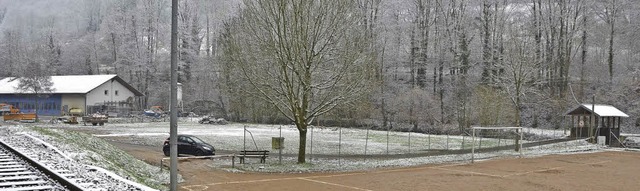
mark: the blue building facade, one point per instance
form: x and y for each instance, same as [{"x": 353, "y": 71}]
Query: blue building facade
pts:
[{"x": 47, "y": 105}]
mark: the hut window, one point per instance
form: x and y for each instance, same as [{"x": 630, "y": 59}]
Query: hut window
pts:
[
  {"x": 116, "y": 92},
  {"x": 106, "y": 92}
]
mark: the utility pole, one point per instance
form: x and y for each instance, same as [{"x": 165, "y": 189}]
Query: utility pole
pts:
[
  {"x": 593, "y": 117},
  {"x": 173, "y": 122}
]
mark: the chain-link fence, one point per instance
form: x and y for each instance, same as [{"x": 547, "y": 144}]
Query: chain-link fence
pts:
[{"x": 339, "y": 143}]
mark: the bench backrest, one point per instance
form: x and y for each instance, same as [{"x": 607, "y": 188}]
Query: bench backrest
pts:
[{"x": 254, "y": 152}]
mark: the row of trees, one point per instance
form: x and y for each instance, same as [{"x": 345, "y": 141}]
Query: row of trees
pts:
[
  {"x": 539, "y": 57},
  {"x": 125, "y": 37},
  {"x": 450, "y": 62}
]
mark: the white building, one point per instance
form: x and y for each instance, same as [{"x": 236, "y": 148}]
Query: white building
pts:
[{"x": 85, "y": 93}]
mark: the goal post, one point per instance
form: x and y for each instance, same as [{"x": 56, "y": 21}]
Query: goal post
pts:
[{"x": 494, "y": 137}]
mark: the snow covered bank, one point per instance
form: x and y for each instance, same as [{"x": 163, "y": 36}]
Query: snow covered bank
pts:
[{"x": 94, "y": 152}]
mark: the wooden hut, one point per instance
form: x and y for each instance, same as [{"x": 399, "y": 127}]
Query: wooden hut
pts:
[{"x": 607, "y": 121}]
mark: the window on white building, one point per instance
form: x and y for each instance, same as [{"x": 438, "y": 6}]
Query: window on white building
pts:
[
  {"x": 106, "y": 92},
  {"x": 116, "y": 92}
]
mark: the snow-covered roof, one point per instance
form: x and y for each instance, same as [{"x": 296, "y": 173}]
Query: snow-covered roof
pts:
[
  {"x": 77, "y": 84},
  {"x": 600, "y": 110}
]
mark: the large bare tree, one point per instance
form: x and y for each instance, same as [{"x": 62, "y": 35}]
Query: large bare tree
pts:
[{"x": 304, "y": 57}]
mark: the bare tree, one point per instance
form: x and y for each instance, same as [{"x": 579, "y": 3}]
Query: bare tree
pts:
[
  {"x": 608, "y": 12},
  {"x": 36, "y": 83},
  {"x": 492, "y": 19},
  {"x": 190, "y": 39},
  {"x": 520, "y": 71},
  {"x": 303, "y": 57},
  {"x": 520, "y": 68},
  {"x": 13, "y": 52}
]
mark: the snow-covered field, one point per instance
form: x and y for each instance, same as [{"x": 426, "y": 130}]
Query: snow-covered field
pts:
[
  {"x": 320, "y": 140},
  {"x": 330, "y": 148}
]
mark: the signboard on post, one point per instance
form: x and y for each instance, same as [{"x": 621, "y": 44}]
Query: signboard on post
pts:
[{"x": 277, "y": 142}]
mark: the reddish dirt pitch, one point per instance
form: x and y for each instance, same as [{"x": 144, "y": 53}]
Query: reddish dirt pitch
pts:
[{"x": 611, "y": 170}]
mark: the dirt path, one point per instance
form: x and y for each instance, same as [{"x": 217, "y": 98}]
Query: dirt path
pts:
[
  {"x": 148, "y": 154},
  {"x": 593, "y": 171}
]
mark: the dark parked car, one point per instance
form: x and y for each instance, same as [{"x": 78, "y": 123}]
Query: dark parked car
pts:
[{"x": 191, "y": 145}]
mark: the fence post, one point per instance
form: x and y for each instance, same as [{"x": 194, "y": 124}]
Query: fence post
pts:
[
  {"x": 429, "y": 141},
  {"x": 520, "y": 142},
  {"x": 233, "y": 160},
  {"x": 388, "y": 139},
  {"x": 462, "y": 142},
  {"x": 447, "y": 146},
  {"x": 610, "y": 137},
  {"x": 473, "y": 144},
  {"x": 409, "y": 142},
  {"x": 340, "y": 147},
  {"x": 280, "y": 142},
  {"x": 366, "y": 143}
]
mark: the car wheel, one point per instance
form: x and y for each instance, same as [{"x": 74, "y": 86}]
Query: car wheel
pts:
[
  {"x": 94, "y": 124},
  {"x": 166, "y": 153},
  {"x": 199, "y": 153}
]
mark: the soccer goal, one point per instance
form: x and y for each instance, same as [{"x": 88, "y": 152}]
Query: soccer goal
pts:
[{"x": 499, "y": 141}]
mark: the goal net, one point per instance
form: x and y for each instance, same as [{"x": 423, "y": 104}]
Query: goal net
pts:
[{"x": 488, "y": 142}]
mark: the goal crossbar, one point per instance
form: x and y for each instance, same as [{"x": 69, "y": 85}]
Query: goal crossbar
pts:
[
  {"x": 473, "y": 138},
  {"x": 496, "y": 127}
]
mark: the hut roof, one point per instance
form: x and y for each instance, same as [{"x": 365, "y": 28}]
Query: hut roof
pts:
[{"x": 600, "y": 110}]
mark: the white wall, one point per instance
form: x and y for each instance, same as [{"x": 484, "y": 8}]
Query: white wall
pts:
[
  {"x": 97, "y": 96},
  {"x": 73, "y": 101}
]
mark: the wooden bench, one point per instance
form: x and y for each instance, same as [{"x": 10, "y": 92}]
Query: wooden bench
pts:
[{"x": 253, "y": 154}]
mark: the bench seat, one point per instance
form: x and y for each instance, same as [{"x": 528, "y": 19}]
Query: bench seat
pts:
[{"x": 253, "y": 154}]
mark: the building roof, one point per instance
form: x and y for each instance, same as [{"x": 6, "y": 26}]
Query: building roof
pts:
[
  {"x": 600, "y": 110},
  {"x": 77, "y": 84}
]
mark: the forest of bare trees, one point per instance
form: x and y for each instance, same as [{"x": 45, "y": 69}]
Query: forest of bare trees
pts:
[{"x": 436, "y": 65}]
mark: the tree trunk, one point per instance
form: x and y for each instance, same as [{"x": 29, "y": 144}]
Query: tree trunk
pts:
[
  {"x": 36, "y": 107},
  {"x": 517, "y": 120},
  {"x": 208, "y": 35},
  {"x": 583, "y": 58},
  {"x": 302, "y": 129},
  {"x": 412, "y": 56},
  {"x": 517, "y": 142},
  {"x": 611, "y": 35},
  {"x": 441, "y": 91},
  {"x": 486, "y": 47},
  {"x": 114, "y": 53}
]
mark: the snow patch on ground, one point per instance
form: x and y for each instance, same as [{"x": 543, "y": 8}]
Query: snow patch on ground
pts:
[
  {"x": 289, "y": 165},
  {"x": 95, "y": 152},
  {"x": 330, "y": 148}
]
